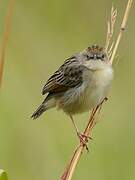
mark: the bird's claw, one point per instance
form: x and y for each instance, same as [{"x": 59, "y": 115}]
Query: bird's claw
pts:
[{"x": 84, "y": 139}]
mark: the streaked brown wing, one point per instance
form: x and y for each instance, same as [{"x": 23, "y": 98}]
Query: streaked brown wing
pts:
[{"x": 67, "y": 76}]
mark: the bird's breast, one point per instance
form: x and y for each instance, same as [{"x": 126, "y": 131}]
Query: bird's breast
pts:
[{"x": 97, "y": 85}]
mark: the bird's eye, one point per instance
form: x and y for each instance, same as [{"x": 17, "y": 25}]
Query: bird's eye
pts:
[
  {"x": 102, "y": 57},
  {"x": 87, "y": 57}
]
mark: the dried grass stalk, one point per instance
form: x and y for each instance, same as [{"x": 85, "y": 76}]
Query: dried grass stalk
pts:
[
  {"x": 5, "y": 37},
  {"x": 110, "y": 27},
  {"x": 122, "y": 29},
  {"x": 68, "y": 172}
]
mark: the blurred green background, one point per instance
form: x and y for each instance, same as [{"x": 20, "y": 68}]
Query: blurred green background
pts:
[{"x": 44, "y": 34}]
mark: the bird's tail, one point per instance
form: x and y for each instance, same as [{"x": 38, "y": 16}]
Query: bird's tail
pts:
[
  {"x": 46, "y": 104},
  {"x": 42, "y": 108}
]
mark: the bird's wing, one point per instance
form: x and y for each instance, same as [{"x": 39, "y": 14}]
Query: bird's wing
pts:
[{"x": 67, "y": 76}]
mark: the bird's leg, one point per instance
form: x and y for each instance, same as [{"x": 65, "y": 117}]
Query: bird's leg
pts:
[{"x": 82, "y": 137}]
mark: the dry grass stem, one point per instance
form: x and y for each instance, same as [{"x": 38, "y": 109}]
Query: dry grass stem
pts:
[
  {"x": 68, "y": 172},
  {"x": 110, "y": 27},
  {"x": 122, "y": 29},
  {"x": 5, "y": 37},
  {"x": 110, "y": 50}
]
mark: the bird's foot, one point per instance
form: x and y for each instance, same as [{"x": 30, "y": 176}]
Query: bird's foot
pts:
[{"x": 84, "y": 139}]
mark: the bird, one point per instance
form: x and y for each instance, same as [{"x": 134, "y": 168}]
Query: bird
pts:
[{"x": 79, "y": 84}]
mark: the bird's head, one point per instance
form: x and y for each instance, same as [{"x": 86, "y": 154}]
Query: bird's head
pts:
[
  {"x": 95, "y": 56},
  {"x": 96, "y": 53}
]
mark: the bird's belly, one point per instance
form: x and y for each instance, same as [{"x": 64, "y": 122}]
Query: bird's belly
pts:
[{"x": 93, "y": 96}]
